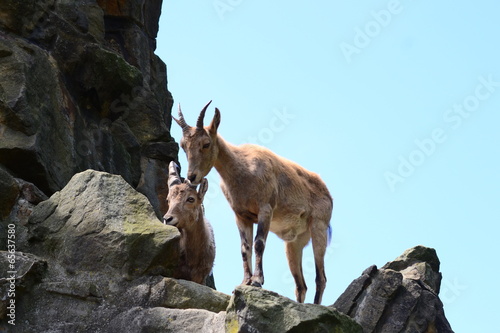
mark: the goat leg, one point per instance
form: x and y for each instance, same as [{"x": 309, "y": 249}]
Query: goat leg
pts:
[
  {"x": 246, "y": 234},
  {"x": 265, "y": 216}
]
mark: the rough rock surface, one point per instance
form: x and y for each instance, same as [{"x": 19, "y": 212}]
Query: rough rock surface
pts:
[
  {"x": 139, "y": 320},
  {"x": 98, "y": 252},
  {"x": 258, "y": 310},
  {"x": 99, "y": 223},
  {"x": 402, "y": 296},
  {"x": 184, "y": 294},
  {"x": 80, "y": 88},
  {"x": 29, "y": 271},
  {"x": 17, "y": 200}
]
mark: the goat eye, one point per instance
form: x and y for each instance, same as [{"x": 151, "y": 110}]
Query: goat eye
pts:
[
  {"x": 206, "y": 145},
  {"x": 190, "y": 199}
]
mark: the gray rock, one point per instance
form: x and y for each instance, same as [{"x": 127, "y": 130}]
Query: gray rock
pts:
[
  {"x": 138, "y": 320},
  {"x": 419, "y": 263},
  {"x": 258, "y": 310},
  {"x": 99, "y": 223},
  {"x": 34, "y": 137},
  {"x": 28, "y": 271},
  {"x": 182, "y": 294},
  {"x": 402, "y": 296}
]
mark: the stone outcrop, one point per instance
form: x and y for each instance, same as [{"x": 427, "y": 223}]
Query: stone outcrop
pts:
[
  {"x": 258, "y": 310},
  {"x": 80, "y": 88},
  {"x": 402, "y": 296}
]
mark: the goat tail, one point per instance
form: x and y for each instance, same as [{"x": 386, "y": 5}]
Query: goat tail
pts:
[{"x": 329, "y": 235}]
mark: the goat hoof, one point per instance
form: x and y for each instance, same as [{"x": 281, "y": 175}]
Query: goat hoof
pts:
[{"x": 256, "y": 284}]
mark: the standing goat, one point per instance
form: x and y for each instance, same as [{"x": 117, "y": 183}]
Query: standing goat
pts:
[
  {"x": 264, "y": 188},
  {"x": 185, "y": 211}
]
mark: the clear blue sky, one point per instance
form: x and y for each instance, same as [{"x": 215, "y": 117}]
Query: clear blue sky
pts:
[{"x": 394, "y": 103}]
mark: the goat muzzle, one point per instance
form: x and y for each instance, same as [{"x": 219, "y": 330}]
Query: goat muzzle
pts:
[{"x": 169, "y": 220}]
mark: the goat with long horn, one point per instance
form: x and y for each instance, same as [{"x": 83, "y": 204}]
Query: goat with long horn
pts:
[{"x": 270, "y": 191}]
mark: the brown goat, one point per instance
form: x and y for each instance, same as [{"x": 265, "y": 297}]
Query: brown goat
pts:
[
  {"x": 264, "y": 188},
  {"x": 185, "y": 211}
]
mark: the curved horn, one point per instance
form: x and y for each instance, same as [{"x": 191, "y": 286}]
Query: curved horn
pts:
[
  {"x": 182, "y": 123},
  {"x": 199, "y": 123},
  {"x": 173, "y": 174}
]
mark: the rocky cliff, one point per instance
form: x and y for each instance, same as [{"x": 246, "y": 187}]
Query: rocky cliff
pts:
[
  {"x": 84, "y": 150},
  {"x": 81, "y": 88}
]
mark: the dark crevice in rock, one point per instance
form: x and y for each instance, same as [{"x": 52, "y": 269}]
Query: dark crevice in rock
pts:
[{"x": 27, "y": 166}]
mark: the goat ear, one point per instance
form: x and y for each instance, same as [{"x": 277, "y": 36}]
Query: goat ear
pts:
[
  {"x": 215, "y": 122},
  {"x": 173, "y": 174},
  {"x": 203, "y": 188}
]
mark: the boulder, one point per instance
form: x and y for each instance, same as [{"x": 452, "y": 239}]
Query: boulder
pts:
[
  {"x": 99, "y": 223},
  {"x": 402, "y": 296},
  {"x": 258, "y": 310}
]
